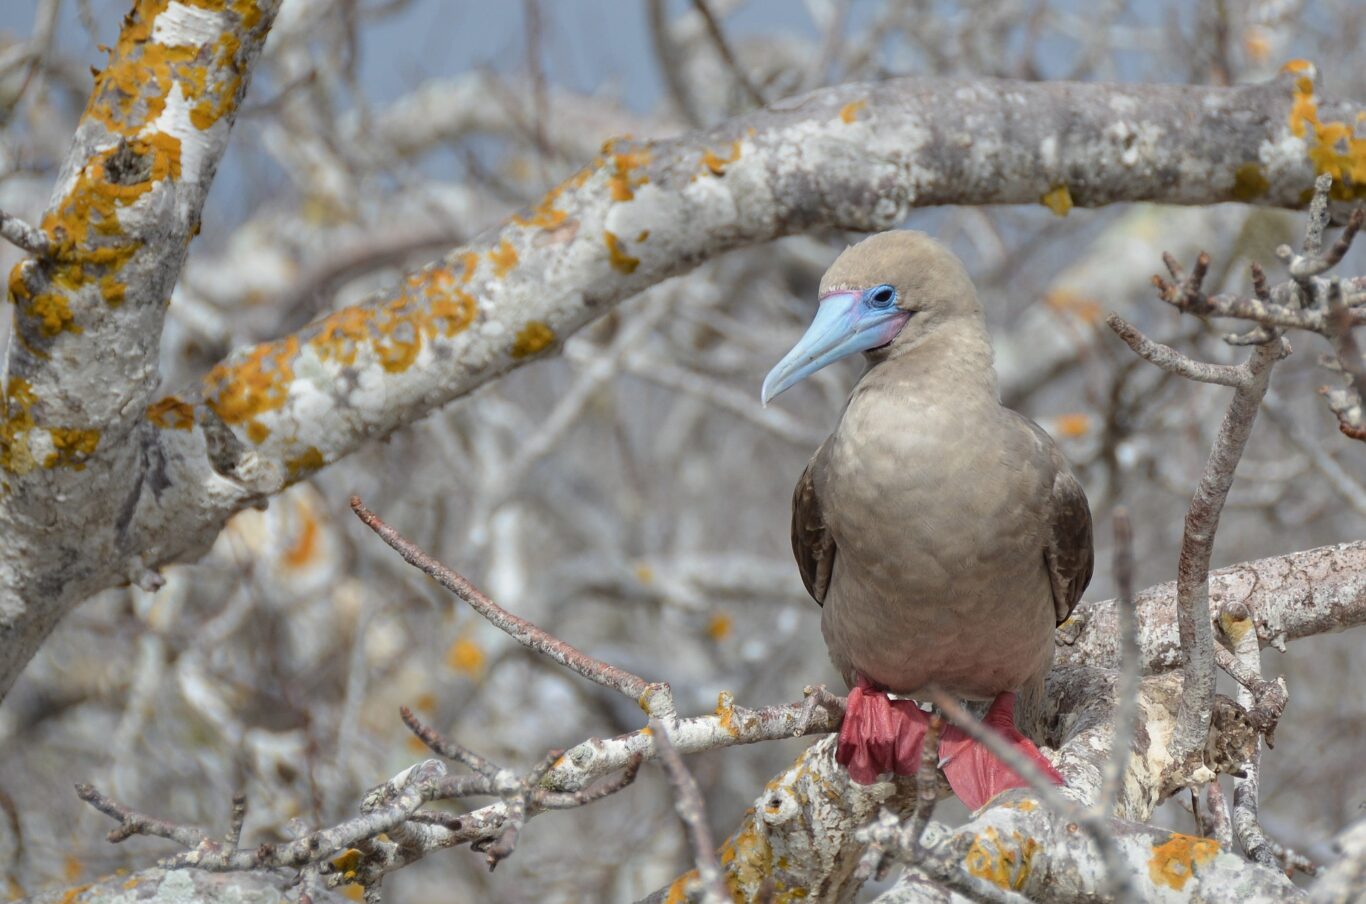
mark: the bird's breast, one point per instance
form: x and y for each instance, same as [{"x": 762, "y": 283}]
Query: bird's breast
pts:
[{"x": 940, "y": 575}]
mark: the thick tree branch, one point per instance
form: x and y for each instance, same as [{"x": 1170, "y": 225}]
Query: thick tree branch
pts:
[
  {"x": 1302, "y": 594},
  {"x": 82, "y": 363}
]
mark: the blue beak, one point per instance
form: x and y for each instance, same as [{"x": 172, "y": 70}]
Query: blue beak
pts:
[{"x": 844, "y": 324}]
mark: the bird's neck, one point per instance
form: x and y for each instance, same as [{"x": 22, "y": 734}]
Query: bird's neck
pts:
[{"x": 953, "y": 361}]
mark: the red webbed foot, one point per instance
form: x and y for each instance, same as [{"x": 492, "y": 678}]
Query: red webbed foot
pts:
[
  {"x": 880, "y": 735},
  {"x": 974, "y": 773}
]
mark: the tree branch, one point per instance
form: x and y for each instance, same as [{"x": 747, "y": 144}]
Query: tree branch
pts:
[{"x": 82, "y": 364}]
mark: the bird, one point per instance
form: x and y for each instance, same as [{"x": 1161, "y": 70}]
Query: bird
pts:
[{"x": 944, "y": 535}]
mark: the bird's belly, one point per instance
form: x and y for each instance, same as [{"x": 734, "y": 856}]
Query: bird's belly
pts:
[
  {"x": 945, "y": 584},
  {"x": 974, "y": 639}
]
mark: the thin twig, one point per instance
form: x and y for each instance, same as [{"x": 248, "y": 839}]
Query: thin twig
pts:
[
  {"x": 236, "y": 821},
  {"x": 24, "y": 235},
  {"x": 1171, "y": 360},
  {"x": 723, "y": 49},
  {"x": 1127, "y": 680},
  {"x": 131, "y": 822},
  {"x": 1246, "y": 826},
  {"x": 688, "y": 803},
  {"x": 654, "y": 697},
  {"x": 1218, "y": 825},
  {"x": 671, "y": 66},
  {"x": 444, "y": 746},
  {"x": 1202, "y": 517},
  {"x": 927, "y": 780}
]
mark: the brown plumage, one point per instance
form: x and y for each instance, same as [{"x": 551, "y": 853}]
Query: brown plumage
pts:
[{"x": 944, "y": 535}]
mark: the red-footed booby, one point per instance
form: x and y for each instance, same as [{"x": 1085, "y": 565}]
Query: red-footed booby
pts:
[{"x": 944, "y": 536}]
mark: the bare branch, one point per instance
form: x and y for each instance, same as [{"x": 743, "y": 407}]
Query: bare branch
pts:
[
  {"x": 133, "y": 823},
  {"x": 443, "y": 746},
  {"x": 1171, "y": 360},
  {"x": 1249, "y": 381},
  {"x": 671, "y": 67},
  {"x": 22, "y": 235},
  {"x": 927, "y": 779},
  {"x": 723, "y": 49},
  {"x": 1130, "y": 668},
  {"x": 688, "y": 802},
  {"x": 1238, "y": 627},
  {"x": 1297, "y": 595},
  {"x": 655, "y": 698}
]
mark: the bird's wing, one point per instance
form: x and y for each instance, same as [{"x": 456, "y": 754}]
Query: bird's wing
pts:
[
  {"x": 1068, "y": 551},
  {"x": 812, "y": 542}
]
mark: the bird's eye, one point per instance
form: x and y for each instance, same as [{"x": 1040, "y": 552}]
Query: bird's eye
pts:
[{"x": 882, "y": 297}]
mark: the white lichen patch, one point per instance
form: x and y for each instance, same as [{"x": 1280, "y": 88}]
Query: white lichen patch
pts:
[{"x": 181, "y": 24}]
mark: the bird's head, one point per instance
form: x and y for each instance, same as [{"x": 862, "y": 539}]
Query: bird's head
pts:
[{"x": 883, "y": 297}]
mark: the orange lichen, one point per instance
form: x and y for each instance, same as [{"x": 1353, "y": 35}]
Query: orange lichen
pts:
[
  {"x": 71, "y": 895},
  {"x": 545, "y": 214},
  {"x": 464, "y": 656},
  {"x": 257, "y": 432},
  {"x": 133, "y": 88},
  {"x": 716, "y": 164},
  {"x": 725, "y": 708},
  {"x": 849, "y": 112},
  {"x": 503, "y": 258},
  {"x": 677, "y": 892},
  {"x": 171, "y": 413},
  {"x": 341, "y": 333},
  {"x": 1067, "y": 301},
  {"x": 1058, "y": 199},
  {"x": 1174, "y": 861},
  {"x": 532, "y": 339},
  {"x": 1074, "y": 425},
  {"x": 719, "y": 626},
  {"x": 471, "y": 261},
  {"x": 347, "y": 861},
  {"x": 1249, "y": 182},
  {"x": 71, "y": 447},
  {"x": 617, "y": 256},
  {"x": 16, "y": 420},
  {"x": 1005, "y": 864},
  {"x": 310, "y": 460},
  {"x": 1235, "y": 629},
  {"x": 89, "y": 244},
  {"x": 624, "y": 178},
  {"x": 305, "y": 546},
  {"x": 217, "y": 100},
  {"x": 747, "y": 857},
  {"x": 241, "y": 390},
  {"x": 425, "y": 702},
  {"x": 1257, "y": 43},
  {"x": 53, "y": 312},
  {"x": 429, "y": 304},
  {"x": 1334, "y": 147}
]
